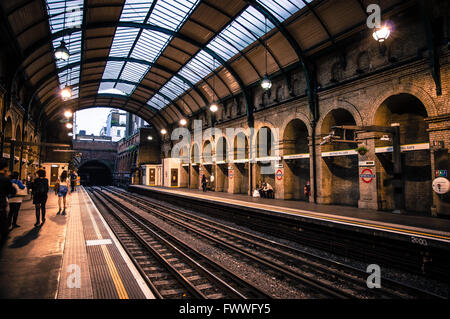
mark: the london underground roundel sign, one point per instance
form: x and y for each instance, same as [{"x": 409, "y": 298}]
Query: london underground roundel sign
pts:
[
  {"x": 279, "y": 175},
  {"x": 367, "y": 175}
]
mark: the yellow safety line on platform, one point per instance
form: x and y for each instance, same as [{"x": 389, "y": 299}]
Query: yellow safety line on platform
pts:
[
  {"x": 316, "y": 215},
  {"x": 120, "y": 288},
  {"x": 114, "y": 274}
]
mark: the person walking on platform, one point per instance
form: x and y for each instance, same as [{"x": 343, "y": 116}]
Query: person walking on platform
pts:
[
  {"x": 204, "y": 182},
  {"x": 73, "y": 181},
  {"x": 40, "y": 192},
  {"x": 62, "y": 192},
  {"x": 6, "y": 188},
  {"x": 15, "y": 200}
]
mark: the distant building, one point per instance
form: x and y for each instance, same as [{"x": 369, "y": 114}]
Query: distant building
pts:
[
  {"x": 116, "y": 125},
  {"x": 134, "y": 123}
]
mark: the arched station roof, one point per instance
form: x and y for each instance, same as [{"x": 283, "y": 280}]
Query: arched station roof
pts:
[{"x": 168, "y": 59}]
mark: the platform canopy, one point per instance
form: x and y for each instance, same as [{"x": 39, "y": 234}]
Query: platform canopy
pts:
[{"x": 168, "y": 59}]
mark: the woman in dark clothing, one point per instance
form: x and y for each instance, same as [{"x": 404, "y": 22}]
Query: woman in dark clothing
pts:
[
  {"x": 40, "y": 190},
  {"x": 204, "y": 183}
]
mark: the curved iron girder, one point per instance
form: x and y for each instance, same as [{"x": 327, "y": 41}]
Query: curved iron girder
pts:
[
  {"x": 93, "y": 60},
  {"x": 187, "y": 39},
  {"x": 310, "y": 79},
  {"x": 49, "y": 100},
  {"x": 331, "y": 38},
  {"x": 257, "y": 39},
  {"x": 109, "y": 95},
  {"x": 43, "y": 67}
]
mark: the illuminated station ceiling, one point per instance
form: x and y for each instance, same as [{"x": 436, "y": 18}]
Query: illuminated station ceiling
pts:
[{"x": 168, "y": 59}]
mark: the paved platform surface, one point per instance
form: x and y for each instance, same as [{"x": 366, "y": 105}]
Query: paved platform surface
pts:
[
  {"x": 69, "y": 257},
  {"x": 412, "y": 225}
]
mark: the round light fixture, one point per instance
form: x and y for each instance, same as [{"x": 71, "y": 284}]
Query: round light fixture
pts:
[
  {"x": 213, "y": 107},
  {"x": 68, "y": 114},
  {"x": 381, "y": 34},
  {"x": 66, "y": 93},
  {"x": 183, "y": 122},
  {"x": 70, "y": 134},
  {"x": 69, "y": 125},
  {"x": 61, "y": 52},
  {"x": 149, "y": 137},
  {"x": 163, "y": 131},
  {"x": 266, "y": 84}
]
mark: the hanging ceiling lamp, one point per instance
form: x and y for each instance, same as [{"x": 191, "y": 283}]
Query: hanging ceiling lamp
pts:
[
  {"x": 266, "y": 83},
  {"x": 66, "y": 93},
  {"x": 61, "y": 52},
  {"x": 381, "y": 34},
  {"x": 214, "y": 107}
]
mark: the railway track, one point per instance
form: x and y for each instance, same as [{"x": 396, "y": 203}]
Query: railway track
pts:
[
  {"x": 336, "y": 279},
  {"x": 424, "y": 260},
  {"x": 171, "y": 268}
]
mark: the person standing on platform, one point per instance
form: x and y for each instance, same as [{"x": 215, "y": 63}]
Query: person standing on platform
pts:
[
  {"x": 6, "y": 188},
  {"x": 15, "y": 200},
  {"x": 204, "y": 182},
  {"x": 73, "y": 181},
  {"x": 40, "y": 192},
  {"x": 62, "y": 193}
]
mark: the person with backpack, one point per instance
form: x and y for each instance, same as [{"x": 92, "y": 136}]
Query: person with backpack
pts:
[
  {"x": 40, "y": 191},
  {"x": 15, "y": 200},
  {"x": 62, "y": 192},
  {"x": 6, "y": 188}
]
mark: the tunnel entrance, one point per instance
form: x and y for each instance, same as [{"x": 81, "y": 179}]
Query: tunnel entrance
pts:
[{"x": 95, "y": 173}]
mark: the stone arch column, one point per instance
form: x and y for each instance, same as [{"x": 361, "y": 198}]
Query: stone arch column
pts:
[
  {"x": 238, "y": 170},
  {"x": 221, "y": 165},
  {"x": 296, "y": 160},
  {"x": 264, "y": 171},
  {"x": 410, "y": 113},
  {"x": 337, "y": 176},
  {"x": 195, "y": 166}
]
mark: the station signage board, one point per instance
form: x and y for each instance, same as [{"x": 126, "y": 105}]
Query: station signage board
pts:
[
  {"x": 296, "y": 156},
  {"x": 339, "y": 153},
  {"x": 404, "y": 148},
  {"x": 367, "y": 163}
]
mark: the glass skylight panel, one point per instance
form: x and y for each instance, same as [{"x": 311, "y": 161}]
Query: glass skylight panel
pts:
[
  {"x": 65, "y": 14},
  {"x": 133, "y": 71},
  {"x": 124, "y": 87},
  {"x": 171, "y": 14},
  {"x": 157, "y": 101},
  {"x": 171, "y": 90},
  {"x": 123, "y": 41},
  {"x": 135, "y": 10},
  {"x": 200, "y": 66},
  {"x": 112, "y": 69},
  {"x": 150, "y": 45},
  {"x": 283, "y": 9},
  {"x": 243, "y": 31},
  {"x": 72, "y": 18}
]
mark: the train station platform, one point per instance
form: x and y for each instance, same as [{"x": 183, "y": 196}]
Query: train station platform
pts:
[
  {"x": 423, "y": 230},
  {"x": 75, "y": 256}
]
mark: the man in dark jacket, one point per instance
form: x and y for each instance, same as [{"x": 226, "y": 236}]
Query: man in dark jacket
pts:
[
  {"x": 6, "y": 188},
  {"x": 40, "y": 190}
]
